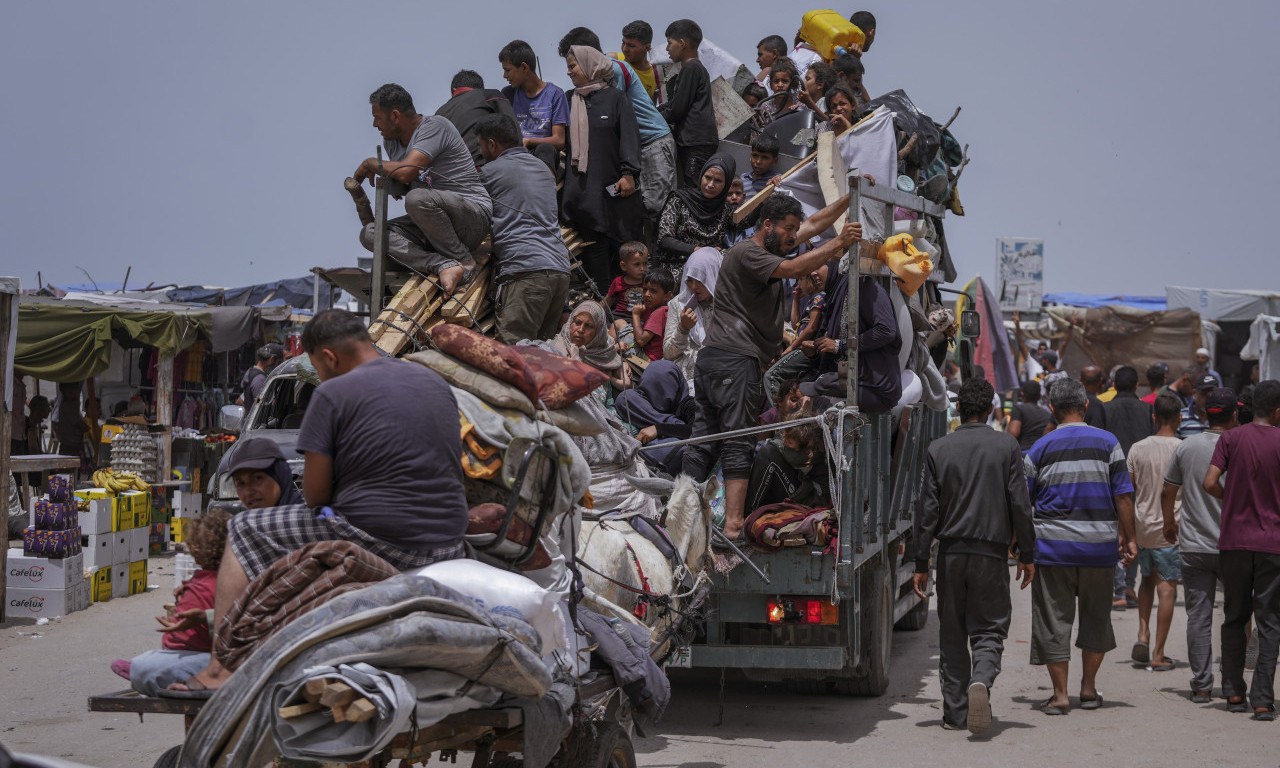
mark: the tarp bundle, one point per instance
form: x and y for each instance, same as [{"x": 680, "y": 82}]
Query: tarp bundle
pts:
[{"x": 1116, "y": 335}]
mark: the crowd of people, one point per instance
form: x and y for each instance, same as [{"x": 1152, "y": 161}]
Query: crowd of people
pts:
[
  {"x": 699, "y": 318},
  {"x": 1086, "y": 486}
]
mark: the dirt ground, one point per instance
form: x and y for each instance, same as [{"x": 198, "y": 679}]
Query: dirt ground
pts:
[{"x": 49, "y": 671}]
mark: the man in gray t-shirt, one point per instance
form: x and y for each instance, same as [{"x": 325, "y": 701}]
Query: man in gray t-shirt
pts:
[
  {"x": 1196, "y": 534},
  {"x": 447, "y": 208}
]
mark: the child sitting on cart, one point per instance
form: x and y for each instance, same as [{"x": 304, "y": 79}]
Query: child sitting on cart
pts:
[{"x": 184, "y": 651}]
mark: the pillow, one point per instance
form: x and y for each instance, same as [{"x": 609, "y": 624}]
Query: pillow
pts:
[
  {"x": 544, "y": 376},
  {"x": 573, "y": 419},
  {"x": 489, "y": 355},
  {"x": 559, "y": 381},
  {"x": 469, "y": 379}
]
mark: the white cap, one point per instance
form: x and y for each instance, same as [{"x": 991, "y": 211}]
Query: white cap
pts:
[{"x": 1202, "y": 351}]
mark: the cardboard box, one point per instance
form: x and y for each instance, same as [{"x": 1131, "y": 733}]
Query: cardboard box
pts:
[
  {"x": 120, "y": 548},
  {"x": 158, "y": 542},
  {"x": 186, "y": 504},
  {"x": 81, "y": 592},
  {"x": 61, "y": 488},
  {"x": 89, "y": 494},
  {"x": 98, "y": 550},
  {"x": 99, "y": 584},
  {"x": 44, "y": 573},
  {"x": 98, "y": 518},
  {"x": 50, "y": 543},
  {"x": 176, "y": 527},
  {"x": 38, "y": 603},
  {"x": 120, "y": 580},
  {"x": 121, "y": 516},
  {"x": 49, "y": 515},
  {"x": 138, "y": 577},
  {"x": 136, "y": 501},
  {"x": 142, "y": 518},
  {"x": 139, "y": 543}
]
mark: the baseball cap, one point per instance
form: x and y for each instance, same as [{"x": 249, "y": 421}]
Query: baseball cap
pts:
[
  {"x": 1220, "y": 400},
  {"x": 254, "y": 453},
  {"x": 826, "y": 385},
  {"x": 1207, "y": 381}
]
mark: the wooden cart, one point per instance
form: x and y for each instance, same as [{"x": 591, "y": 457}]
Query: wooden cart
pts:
[{"x": 600, "y": 735}]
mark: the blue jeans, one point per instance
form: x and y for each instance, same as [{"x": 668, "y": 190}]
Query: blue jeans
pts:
[{"x": 155, "y": 670}]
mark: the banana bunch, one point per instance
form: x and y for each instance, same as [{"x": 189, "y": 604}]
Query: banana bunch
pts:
[{"x": 119, "y": 481}]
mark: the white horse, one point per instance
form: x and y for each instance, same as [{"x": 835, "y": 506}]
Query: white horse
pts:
[{"x": 621, "y": 556}]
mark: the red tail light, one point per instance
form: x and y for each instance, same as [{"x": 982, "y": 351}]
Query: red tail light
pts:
[{"x": 802, "y": 610}]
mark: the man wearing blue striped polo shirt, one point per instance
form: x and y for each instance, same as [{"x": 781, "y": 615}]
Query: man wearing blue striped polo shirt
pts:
[{"x": 1083, "y": 498}]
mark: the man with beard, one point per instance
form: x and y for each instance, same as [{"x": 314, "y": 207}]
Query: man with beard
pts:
[{"x": 744, "y": 335}]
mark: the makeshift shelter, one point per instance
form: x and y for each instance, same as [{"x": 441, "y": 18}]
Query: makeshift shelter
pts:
[
  {"x": 1122, "y": 335},
  {"x": 1091, "y": 300},
  {"x": 1232, "y": 311}
]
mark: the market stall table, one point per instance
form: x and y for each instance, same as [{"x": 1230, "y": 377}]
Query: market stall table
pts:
[{"x": 44, "y": 463}]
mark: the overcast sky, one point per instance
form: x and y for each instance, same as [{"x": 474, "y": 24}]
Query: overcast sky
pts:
[{"x": 207, "y": 143}]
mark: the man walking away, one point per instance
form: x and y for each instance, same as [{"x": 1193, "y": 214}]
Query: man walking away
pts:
[
  {"x": 1157, "y": 557},
  {"x": 1083, "y": 500},
  {"x": 975, "y": 503},
  {"x": 1195, "y": 532},
  {"x": 1129, "y": 419},
  {"x": 1249, "y": 549},
  {"x": 1094, "y": 384}
]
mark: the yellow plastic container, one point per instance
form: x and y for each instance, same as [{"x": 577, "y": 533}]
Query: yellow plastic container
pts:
[{"x": 829, "y": 33}]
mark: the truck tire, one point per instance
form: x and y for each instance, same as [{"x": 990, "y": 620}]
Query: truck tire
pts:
[
  {"x": 170, "y": 757},
  {"x": 604, "y": 745},
  {"x": 914, "y": 619},
  {"x": 871, "y": 678}
]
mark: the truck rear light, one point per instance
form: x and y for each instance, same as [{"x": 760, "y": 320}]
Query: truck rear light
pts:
[{"x": 802, "y": 610}]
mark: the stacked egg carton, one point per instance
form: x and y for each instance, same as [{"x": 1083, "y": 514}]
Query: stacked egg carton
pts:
[{"x": 135, "y": 450}]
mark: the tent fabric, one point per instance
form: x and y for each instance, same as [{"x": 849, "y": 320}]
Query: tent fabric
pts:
[
  {"x": 295, "y": 291},
  {"x": 232, "y": 326},
  {"x": 1119, "y": 335},
  {"x": 1090, "y": 300},
  {"x": 1223, "y": 305}
]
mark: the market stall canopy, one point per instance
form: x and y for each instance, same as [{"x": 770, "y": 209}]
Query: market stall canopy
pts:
[
  {"x": 70, "y": 340},
  {"x": 295, "y": 291},
  {"x": 1222, "y": 305},
  {"x": 1090, "y": 300}
]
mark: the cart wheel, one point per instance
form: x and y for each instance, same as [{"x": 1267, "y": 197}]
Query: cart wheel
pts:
[
  {"x": 606, "y": 745},
  {"x": 914, "y": 619},
  {"x": 170, "y": 758}
]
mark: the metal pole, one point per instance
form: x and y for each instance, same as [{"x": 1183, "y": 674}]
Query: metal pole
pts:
[
  {"x": 379, "y": 275},
  {"x": 717, "y": 436},
  {"x": 850, "y": 449}
]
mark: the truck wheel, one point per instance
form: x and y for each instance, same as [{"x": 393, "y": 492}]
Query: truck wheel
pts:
[
  {"x": 871, "y": 678},
  {"x": 603, "y": 745},
  {"x": 170, "y": 758},
  {"x": 914, "y": 619}
]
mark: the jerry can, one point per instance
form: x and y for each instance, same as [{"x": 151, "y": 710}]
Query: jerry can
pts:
[{"x": 829, "y": 33}]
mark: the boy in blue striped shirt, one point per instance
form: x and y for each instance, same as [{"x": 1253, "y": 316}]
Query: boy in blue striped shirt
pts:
[{"x": 1083, "y": 499}]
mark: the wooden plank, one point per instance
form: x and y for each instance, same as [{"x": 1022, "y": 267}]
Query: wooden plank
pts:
[
  {"x": 397, "y": 335},
  {"x": 360, "y": 711},
  {"x": 131, "y": 701},
  {"x": 313, "y": 690},
  {"x": 338, "y": 695},
  {"x": 379, "y": 329},
  {"x": 298, "y": 710}
]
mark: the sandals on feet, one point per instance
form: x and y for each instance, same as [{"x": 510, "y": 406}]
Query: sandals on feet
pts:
[
  {"x": 1236, "y": 704},
  {"x": 1264, "y": 715},
  {"x": 1094, "y": 702},
  {"x": 1169, "y": 664},
  {"x": 1049, "y": 708},
  {"x": 1141, "y": 652},
  {"x": 195, "y": 690}
]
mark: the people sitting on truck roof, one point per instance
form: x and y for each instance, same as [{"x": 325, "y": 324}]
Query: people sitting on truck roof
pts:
[
  {"x": 851, "y": 70},
  {"x": 743, "y": 336},
  {"x": 661, "y": 408},
  {"x": 841, "y": 108},
  {"x": 599, "y": 197},
  {"x": 637, "y": 41},
  {"x": 587, "y": 337},
  {"x": 447, "y": 209},
  {"x": 382, "y": 469},
  {"x": 768, "y": 51},
  {"x": 690, "y": 110},
  {"x": 469, "y": 103},
  {"x": 784, "y": 89},
  {"x": 531, "y": 262},
  {"x": 814, "y": 86},
  {"x": 791, "y": 467},
  {"x": 657, "y": 145},
  {"x": 690, "y": 312}
]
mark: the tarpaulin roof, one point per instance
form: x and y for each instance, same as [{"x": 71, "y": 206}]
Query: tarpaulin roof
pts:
[
  {"x": 64, "y": 341},
  {"x": 1223, "y": 305},
  {"x": 1090, "y": 300},
  {"x": 294, "y": 291}
]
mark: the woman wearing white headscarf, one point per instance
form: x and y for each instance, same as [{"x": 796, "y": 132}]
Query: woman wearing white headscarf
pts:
[
  {"x": 690, "y": 311},
  {"x": 603, "y": 149}
]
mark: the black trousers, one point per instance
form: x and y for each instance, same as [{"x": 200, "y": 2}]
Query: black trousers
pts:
[
  {"x": 973, "y": 615},
  {"x": 1250, "y": 587},
  {"x": 729, "y": 391}
]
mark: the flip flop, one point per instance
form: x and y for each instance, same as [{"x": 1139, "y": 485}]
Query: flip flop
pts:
[
  {"x": 1049, "y": 708},
  {"x": 1091, "y": 703},
  {"x": 1141, "y": 652},
  {"x": 1237, "y": 705},
  {"x": 195, "y": 690},
  {"x": 121, "y": 667},
  {"x": 1169, "y": 664}
]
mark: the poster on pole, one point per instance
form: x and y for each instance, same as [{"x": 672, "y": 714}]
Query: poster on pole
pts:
[{"x": 1020, "y": 264}]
